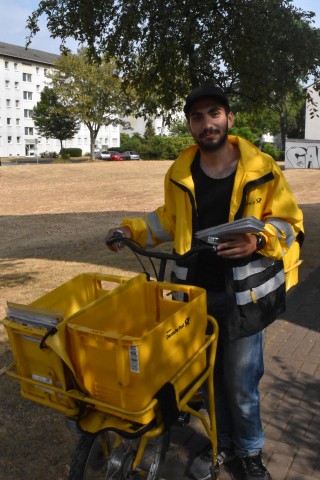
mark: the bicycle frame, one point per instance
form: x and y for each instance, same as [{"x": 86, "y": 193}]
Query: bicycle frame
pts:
[{"x": 93, "y": 415}]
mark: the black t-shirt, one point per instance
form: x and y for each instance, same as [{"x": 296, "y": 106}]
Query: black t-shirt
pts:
[{"x": 213, "y": 198}]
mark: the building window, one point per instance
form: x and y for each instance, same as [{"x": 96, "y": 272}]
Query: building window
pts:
[
  {"x": 16, "y": 85},
  {"x": 17, "y": 121},
  {"x": 8, "y": 121},
  {"x": 45, "y": 71},
  {"x": 8, "y": 102},
  {"x": 28, "y": 130},
  {"x": 9, "y": 139},
  {"x": 18, "y": 139},
  {"x": 7, "y": 84},
  {"x": 27, "y": 95},
  {"x": 6, "y": 65},
  {"x": 17, "y": 103},
  {"x": 27, "y": 77},
  {"x": 15, "y": 66},
  {"x": 27, "y": 113},
  {"x": 38, "y": 70}
]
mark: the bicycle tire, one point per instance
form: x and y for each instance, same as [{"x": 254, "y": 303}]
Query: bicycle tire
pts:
[{"x": 107, "y": 456}]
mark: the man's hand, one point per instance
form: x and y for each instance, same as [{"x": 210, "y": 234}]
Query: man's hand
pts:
[
  {"x": 238, "y": 245},
  {"x": 117, "y": 245}
]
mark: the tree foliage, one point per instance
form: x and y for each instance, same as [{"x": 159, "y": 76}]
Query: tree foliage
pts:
[
  {"x": 128, "y": 142},
  {"x": 52, "y": 119},
  {"x": 91, "y": 92},
  {"x": 285, "y": 118},
  {"x": 257, "y": 50}
]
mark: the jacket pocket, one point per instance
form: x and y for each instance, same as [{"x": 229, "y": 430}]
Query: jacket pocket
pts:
[{"x": 259, "y": 293}]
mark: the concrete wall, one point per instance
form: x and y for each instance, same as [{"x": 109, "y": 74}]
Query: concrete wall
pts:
[{"x": 302, "y": 153}]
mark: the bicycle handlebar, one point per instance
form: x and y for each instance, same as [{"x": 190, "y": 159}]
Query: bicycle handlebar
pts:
[
  {"x": 120, "y": 239},
  {"x": 117, "y": 237}
]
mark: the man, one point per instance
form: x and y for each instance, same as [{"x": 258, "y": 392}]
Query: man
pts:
[{"x": 221, "y": 179}]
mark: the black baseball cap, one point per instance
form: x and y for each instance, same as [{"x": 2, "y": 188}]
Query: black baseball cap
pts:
[{"x": 206, "y": 91}]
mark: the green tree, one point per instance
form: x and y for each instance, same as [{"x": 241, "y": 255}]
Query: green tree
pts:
[
  {"x": 289, "y": 110},
  {"x": 128, "y": 142},
  {"x": 52, "y": 119},
  {"x": 91, "y": 92},
  {"x": 179, "y": 126},
  {"x": 284, "y": 118},
  {"x": 149, "y": 130},
  {"x": 258, "y": 50}
]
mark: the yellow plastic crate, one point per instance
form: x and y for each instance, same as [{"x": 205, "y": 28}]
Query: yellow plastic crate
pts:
[
  {"x": 126, "y": 346},
  {"x": 41, "y": 371}
]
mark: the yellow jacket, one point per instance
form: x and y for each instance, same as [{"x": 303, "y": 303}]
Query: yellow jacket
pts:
[{"x": 260, "y": 190}]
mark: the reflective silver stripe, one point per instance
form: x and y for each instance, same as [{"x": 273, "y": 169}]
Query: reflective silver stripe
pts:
[
  {"x": 156, "y": 227},
  {"x": 180, "y": 272},
  {"x": 240, "y": 273},
  {"x": 285, "y": 227},
  {"x": 243, "y": 298}
]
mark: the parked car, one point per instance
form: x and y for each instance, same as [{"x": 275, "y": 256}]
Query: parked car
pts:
[
  {"x": 96, "y": 153},
  {"x": 130, "y": 155},
  {"x": 117, "y": 156},
  {"x": 105, "y": 155}
]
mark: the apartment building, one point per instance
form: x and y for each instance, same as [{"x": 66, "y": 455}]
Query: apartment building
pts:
[{"x": 23, "y": 75}]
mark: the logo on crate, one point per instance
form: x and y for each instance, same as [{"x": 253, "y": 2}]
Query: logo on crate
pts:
[{"x": 171, "y": 332}]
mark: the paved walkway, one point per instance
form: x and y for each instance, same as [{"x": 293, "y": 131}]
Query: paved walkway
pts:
[{"x": 290, "y": 393}]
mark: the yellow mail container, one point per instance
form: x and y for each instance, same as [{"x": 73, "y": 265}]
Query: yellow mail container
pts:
[
  {"x": 41, "y": 371},
  {"x": 126, "y": 346}
]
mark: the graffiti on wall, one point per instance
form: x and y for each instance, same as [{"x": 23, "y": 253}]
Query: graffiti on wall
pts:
[{"x": 303, "y": 157}]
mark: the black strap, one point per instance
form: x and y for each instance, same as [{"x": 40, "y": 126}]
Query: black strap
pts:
[
  {"x": 166, "y": 397},
  {"x": 50, "y": 332}
]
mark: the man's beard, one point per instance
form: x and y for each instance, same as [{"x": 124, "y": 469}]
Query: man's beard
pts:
[{"x": 212, "y": 145}]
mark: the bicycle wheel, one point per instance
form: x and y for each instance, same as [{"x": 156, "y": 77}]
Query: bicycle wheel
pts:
[{"x": 110, "y": 456}]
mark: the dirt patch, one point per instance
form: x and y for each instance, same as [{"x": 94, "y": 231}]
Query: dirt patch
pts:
[{"x": 53, "y": 219}]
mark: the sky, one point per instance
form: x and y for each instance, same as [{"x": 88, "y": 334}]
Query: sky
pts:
[{"x": 14, "y": 14}]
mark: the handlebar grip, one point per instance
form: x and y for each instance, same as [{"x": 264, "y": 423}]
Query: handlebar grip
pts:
[{"x": 116, "y": 240}]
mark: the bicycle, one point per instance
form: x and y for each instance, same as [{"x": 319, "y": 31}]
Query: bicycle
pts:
[{"x": 122, "y": 435}]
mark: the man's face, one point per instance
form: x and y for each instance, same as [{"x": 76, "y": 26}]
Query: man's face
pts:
[{"x": 209, "y": 123}]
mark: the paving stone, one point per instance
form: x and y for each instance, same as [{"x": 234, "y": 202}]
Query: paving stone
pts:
[{"x": 290, "y": 398}]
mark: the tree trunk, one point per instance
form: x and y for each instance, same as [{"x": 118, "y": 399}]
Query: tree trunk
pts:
[
  {"x": 283, "y": 130},
  {"x": 94, "y": 130}
]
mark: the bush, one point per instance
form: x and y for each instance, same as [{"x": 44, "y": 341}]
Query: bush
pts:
[
  {"x": 162, "y": 147},
  {"x": 72, "y": 152},
  {"x": 246, "y": 133},
  {"x": 271, "y": 150}
]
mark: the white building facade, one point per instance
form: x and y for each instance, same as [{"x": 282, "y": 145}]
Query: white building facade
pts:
[
  {"x": 23, "y": 75},
  {"x": 312, "y": 122},
  {"x": 138, "y": 125}
]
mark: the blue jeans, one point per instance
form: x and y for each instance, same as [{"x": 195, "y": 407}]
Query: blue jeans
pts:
[{"x": 238, "y": 369}]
